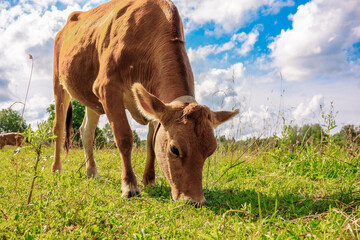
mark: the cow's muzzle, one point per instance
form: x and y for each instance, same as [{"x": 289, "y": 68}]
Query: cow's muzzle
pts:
[{"x": 189, "y": 200}]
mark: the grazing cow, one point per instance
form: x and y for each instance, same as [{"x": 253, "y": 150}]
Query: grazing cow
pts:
[
  {"x": 15, "y": 139},
  {"x": 130, "y": 54}
]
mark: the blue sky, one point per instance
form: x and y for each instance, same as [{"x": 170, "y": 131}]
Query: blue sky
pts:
[
  {"x": 237, "y": 49},
  {"x": 272, "y": 26}
]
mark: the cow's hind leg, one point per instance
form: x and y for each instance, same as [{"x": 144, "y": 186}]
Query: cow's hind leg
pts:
[
  {"x": 62, "y": 100},
  {"x": 87, "y": 131}
]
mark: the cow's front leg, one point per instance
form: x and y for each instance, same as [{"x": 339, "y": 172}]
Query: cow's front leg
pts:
[
  {"x": 124, "y": 141},
  {"x": 149, "y": 173},
  {"x": 115, "y": 112}
]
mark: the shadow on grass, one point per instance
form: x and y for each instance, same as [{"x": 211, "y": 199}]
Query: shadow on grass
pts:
[
  {"x": 288, "y": 206},
  {"x": 250, "y": 202}
]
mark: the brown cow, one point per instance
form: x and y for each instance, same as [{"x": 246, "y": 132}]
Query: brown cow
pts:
[
  {"x": 15, "y": 139},
  {"x": 130, "y": 54}
]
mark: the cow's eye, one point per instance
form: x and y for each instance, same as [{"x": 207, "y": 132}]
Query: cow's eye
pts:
[{"x": 174, "y": 150}]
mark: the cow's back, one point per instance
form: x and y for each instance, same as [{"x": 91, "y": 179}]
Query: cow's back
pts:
[{"x": 138, "y": 40}]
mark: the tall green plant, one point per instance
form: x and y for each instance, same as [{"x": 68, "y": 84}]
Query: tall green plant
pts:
[
  {"x": 329, "y": 121},
  {"x": 35, "y": 140}
]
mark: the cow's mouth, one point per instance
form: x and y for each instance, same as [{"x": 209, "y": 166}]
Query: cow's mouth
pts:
[{"x": 188, "y": 200}]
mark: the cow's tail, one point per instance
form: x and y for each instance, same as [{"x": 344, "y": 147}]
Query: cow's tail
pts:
[{"x": 68, "y": 122}]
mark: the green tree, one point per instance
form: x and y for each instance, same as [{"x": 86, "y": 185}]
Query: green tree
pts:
[
  {"x": 100, "y": 140},
  {"x": 109, "y": 137},
  {"x": 51, "y": 111},
  {"x": 349, "y": 132},
  {"x": 310, "y": 133},
  {"x": 78, "y": 115},
  {"x": 10, "y": 121},
  {"x": 136, "y": 139},
  {"x": 108, "y": 134},
  {"x": 317, "y": 132},
  {"x": 347, "y": 135}
]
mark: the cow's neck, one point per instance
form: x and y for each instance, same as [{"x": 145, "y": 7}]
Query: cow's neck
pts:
[
  {"x": 175, "y": 76},
  {"x": 171, "y": 89}
]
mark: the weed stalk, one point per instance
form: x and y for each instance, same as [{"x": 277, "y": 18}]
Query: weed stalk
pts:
[{"x": 36, "y": 140}]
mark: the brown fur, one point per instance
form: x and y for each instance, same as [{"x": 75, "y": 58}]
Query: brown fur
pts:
[
  {"x": 199, "y": 114},
  {"x": 125, "y": 48},
  {"x": 15, "y": 139}
]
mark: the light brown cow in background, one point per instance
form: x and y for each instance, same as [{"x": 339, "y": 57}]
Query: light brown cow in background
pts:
[
  {"x": 15, "y": 139},
  {"x": 130, "y": 54}
]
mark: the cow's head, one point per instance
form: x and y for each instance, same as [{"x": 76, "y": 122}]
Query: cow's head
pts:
[{"x": 184, "y": 138}]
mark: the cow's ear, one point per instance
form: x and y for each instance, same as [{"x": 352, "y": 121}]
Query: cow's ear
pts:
[
  {"x": 223, "y": 116},
  {"x": 150, "y": 106}
]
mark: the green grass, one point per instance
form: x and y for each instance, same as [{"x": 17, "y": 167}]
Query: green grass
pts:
[{"x": 276, "y": 194}]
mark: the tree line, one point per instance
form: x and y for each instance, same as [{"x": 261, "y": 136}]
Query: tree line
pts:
[
  {"x": 294, "y": 137},
  {"x": 308, "y": 134}
]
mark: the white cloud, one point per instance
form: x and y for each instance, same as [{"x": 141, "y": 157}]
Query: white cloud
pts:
[
  {"x": 35, "y": 106},
  {"x": 201, "y": 53},
  {"x": 227, "y": 15},
  {"x": 322, "y": 33},
  {"x": 356, "y": 31},
  {"x": 264, "y": 100},
  {"x": 229, "y": 89},
  {"x": 309, "y": 109},
  {"x": 248, "y": 40},
  {"x": 29, "y": 27},
  {"x": 217, "y": 89},
  {"x": 4, "y": 5},
  {"x": 245, "y": 40}
]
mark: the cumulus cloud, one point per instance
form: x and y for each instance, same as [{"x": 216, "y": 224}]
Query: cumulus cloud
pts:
[
  {"x": 228, "y": 16},
  {"x": 30, "y": 28},
  {"x": 248, "y": 40},
  {"x": 322, "y": 34},
  {"x": 218, "y": 86},
  {"x": 242, "y": 43},
  {"x": 4, "y": 5},
  {"x": 35, "y": 106},
  {"x": 307, "y": 110},
  {"x": 229, "y": 89},
  {"x": 201, "y": 53}
]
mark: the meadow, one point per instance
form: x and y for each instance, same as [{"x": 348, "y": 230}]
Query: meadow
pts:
[{"x": 269, "y": 191}]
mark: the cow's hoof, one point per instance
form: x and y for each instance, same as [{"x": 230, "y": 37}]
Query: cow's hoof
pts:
[
  {"x": 128, "y": 192},
  {"x": 92, "y": 173},
  {"x": 55, "y": 168},
  {"x": 149, "y": 182}
]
